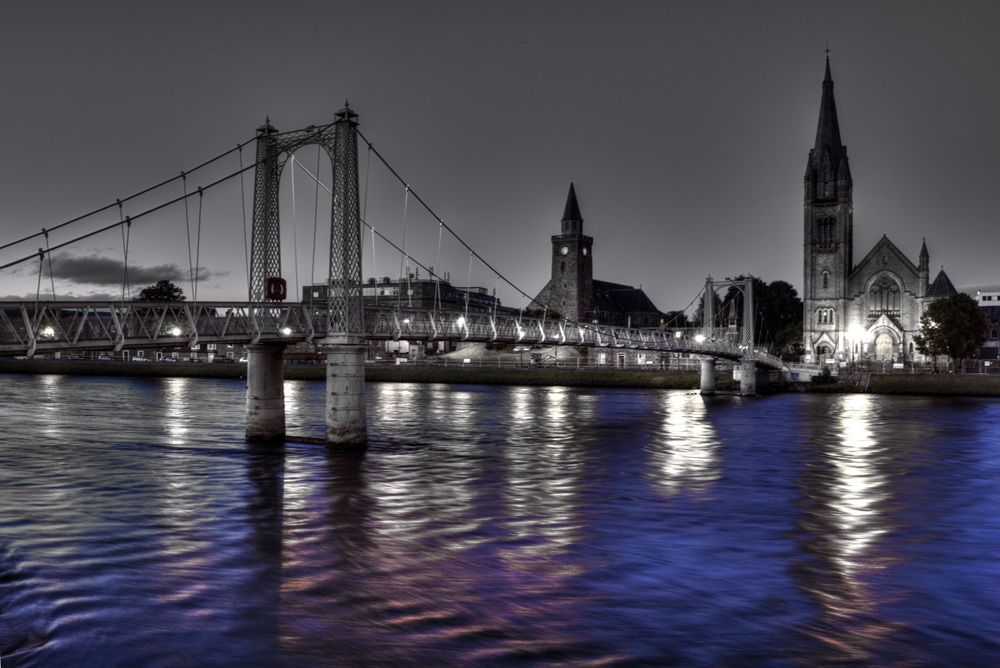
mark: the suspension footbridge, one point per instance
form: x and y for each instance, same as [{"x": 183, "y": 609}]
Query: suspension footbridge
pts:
[{"x": 341, "y": 324}]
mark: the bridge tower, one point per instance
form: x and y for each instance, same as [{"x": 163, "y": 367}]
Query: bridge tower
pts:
[{"x": 346, "y": 419}]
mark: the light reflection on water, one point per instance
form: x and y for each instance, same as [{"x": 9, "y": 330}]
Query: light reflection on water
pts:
[
  {"x": 496, "y": 525},
  {"x": 684, "y": 454}
]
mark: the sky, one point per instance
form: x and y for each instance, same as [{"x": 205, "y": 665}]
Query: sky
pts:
[{"x": 685, "y": 128}]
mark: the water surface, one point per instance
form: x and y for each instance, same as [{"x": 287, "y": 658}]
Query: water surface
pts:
[{"x": 496, "y": 526}]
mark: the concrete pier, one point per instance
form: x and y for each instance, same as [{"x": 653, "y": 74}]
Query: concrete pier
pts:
[
  {"x": 708, "y": 375},
  {"x": 346, "y": 416},
  {"x": 748, "y": 378},
  {"x": 265, "y": 392}
]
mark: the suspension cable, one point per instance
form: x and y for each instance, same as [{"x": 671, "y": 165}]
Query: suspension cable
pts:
[
  {"x": 130, "y": 197},
  {"x": 151, "y": 210}
]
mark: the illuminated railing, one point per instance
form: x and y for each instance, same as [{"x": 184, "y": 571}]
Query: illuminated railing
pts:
[{"x": 51, "y": 326}]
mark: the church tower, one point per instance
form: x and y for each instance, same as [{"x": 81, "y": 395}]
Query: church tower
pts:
[
  {"x": 570, "y": 291},
  {"x": 829, "y": 230}
]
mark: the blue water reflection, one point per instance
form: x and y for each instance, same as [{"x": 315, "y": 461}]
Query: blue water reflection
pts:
[{"x": 495, "y": 526}]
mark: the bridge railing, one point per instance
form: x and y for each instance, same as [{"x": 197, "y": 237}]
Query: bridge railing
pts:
[{"x": 26, "y": 327}]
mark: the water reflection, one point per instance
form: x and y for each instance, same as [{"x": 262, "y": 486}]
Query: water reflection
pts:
[
  {"x": 846, "y": 493},
  {"x": 544, "y": 471},
  {"x": 683, "y": 455}
]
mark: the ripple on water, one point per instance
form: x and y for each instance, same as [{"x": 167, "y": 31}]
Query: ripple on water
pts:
[{"x": 495, "y": 525}]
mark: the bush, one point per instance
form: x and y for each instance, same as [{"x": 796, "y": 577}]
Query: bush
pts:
[{"x": 824, "y": 378}]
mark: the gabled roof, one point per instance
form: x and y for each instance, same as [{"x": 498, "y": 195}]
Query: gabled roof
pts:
[
  {"x": 941, "y": 287},
  {"x": 883, "y": 245},
  {"x": 615, "y": 297},
  {"x": 571, "y": 214}
]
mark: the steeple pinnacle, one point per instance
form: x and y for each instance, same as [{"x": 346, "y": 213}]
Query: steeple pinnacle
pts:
[
  {"x": 925, "y": 258},
  {"x": 828, "y": 130},
  {"x": 572, "y": 221},
  {"x": 828, "y": 176}
]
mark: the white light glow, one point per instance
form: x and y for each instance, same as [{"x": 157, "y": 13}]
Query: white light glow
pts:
[
  {"x": 700, "y": 338},
  {"x": 176, "y": 331},
  {"x": 460, "y": 322},
  {"x": 286, "y": 331},
  {"x": 48, "y": 331}
]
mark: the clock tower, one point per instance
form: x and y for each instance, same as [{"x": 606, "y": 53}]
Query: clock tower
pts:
[{"x": 570, "y": 291}]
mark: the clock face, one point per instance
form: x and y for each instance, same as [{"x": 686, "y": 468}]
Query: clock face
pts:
[{"x": 564, "y": 250}]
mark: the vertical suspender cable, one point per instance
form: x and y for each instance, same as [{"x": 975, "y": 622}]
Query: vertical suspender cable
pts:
[
  {"x": 295, "y": 240},
  {"x": 312, "y": 272},
  {"x": 51, "y": 277},
  {"x": 243, "y": 200},
  {"x": 197, "y": 257},
  {"x": 468, "y": 288},
  {"x": 38, "y": 291},
  {"x": 437, "y": 274},
  {"x": 402, "y": 251},
  {"x": 187, "y": 226},
  {"x": 374, "y": 270}
]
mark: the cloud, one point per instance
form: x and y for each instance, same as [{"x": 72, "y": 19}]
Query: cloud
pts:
[
  {"x": 98, "y": 270},
  {"x": 46, "y": 296}
]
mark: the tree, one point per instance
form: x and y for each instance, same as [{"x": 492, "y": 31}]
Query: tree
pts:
[
  {"x": 954, "y": 326},
  {"x": 675, "y": 320},
  {"x": 162, "y": 291},
  {"x": 778, "y": 311}
]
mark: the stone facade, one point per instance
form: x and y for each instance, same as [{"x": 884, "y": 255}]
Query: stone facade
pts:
[{"x": 868, "y": 311}]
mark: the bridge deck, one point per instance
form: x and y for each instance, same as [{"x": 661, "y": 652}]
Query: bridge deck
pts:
[{"x": 27, "y": 328}]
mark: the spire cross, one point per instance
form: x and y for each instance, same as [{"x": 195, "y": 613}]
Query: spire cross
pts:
[{"x": 828, "y": 51}]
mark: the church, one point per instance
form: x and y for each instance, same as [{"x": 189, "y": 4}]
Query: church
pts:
[
  {"x": 575, "y": 294},
  {"x": 865, "y": 311}
]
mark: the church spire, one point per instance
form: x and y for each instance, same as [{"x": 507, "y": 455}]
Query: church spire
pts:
[
  {"x": 828, "y": 176},
  {"x": 572, "y": 221},
  {"x": 828, "y": 130}
]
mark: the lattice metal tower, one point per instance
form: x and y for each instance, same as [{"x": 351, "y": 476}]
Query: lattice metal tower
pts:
[{"x": 339, "y": 140}]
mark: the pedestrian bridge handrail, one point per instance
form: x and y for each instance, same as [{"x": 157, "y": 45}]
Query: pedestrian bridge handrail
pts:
[{"x": 27, "y": 328}]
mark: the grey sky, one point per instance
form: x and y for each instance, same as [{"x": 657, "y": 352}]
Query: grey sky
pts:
[{"x": 685, "y": 127}]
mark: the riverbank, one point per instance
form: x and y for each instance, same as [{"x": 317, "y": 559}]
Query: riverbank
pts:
[{"x": 971, "y": 385}]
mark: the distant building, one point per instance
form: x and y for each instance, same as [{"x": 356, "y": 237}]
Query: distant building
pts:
[
  {"x": 990, "y": 303},
  {"x": 865, "y": 311},
  {"x": 416, "y": 292},
  {"x": 572, "y": 290}
]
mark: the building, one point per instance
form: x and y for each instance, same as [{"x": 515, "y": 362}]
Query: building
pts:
[
  {"x": 572, "y": 291},
  {"x": 416, "y": 292},
  {"x": 865, "y": 311}
]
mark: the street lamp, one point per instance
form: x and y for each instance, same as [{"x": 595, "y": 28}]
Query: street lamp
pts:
[{"x": 856, "y": 333}]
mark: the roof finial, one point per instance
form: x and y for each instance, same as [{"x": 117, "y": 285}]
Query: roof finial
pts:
[
  {"x": 346, "y": 103},
  {"x": 828, "y": 52},
  {"x": 267, "y": 119}
]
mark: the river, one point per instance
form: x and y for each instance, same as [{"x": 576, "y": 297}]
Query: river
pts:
[{"x": 483, "y": 526}]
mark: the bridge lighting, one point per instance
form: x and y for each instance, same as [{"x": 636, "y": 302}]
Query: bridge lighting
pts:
[
  {"x": 700, "y": 338},
  {"x": 286, "y": 331},
  {"x": 461, "y": 321},
  {"x": 406, "y": 321},
  {"x": 176, "y": 331},
  {"x": 48, "y": 331},
  {"x": 677, "y": 335}
]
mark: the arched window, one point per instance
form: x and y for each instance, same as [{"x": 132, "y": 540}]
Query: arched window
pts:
[
  {"x": 884, "y": 296},
  {"x": 826, "y": 279},
  {"x": 562, "y": 266}
]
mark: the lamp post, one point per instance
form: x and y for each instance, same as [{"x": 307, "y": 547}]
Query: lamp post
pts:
[{"x": 856, "y": 334}]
